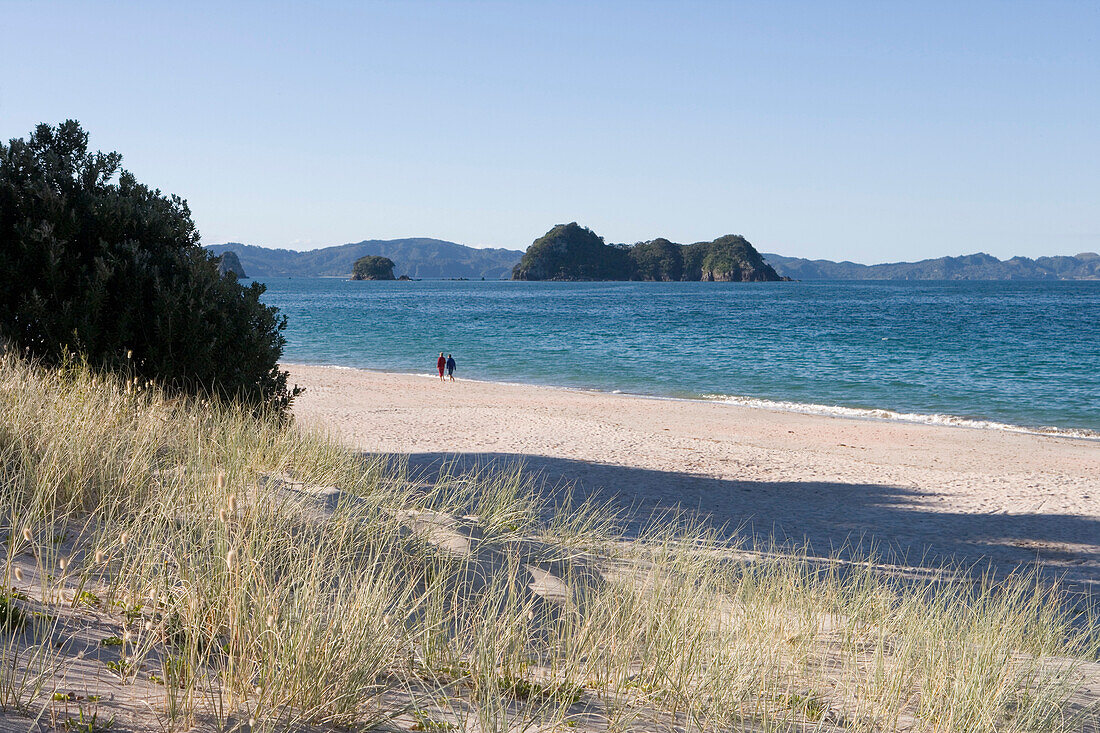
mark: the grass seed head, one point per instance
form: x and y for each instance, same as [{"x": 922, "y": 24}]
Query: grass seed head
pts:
[
  {"x": 231, "y": 502},
  {"x": 231, "y": 558},
  {"x": 63, "y": 562},
  {"x": 220, "y": 480},
  {"x": 99, "y": 557},
  {"x": 27, "y": 535},
  {"x": 124, "y": 538},
  {"x": 223, "y": 515},
  {"x": 19, "y": 574}
]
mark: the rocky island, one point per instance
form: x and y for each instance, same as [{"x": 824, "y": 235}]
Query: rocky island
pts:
[
  {"x": 230, "y": 262},
  {"x": 573, "y": 252},
  {"x": 372, "y": 267}
]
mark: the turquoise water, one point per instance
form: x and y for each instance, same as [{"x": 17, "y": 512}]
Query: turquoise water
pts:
[{"x": 1017, "y": 354}]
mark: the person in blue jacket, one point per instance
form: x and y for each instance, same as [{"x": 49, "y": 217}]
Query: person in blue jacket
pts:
[{"x": 451, "y": 367}]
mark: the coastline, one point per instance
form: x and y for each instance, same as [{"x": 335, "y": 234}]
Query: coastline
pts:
[
  {"x": 929, "y": 493},
  {"x": 842, "y": 412}
]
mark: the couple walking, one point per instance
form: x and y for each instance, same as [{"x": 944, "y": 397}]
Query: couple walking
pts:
[{"x": 448, "y": 364}]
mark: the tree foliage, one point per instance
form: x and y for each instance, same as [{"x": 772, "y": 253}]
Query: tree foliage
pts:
[
  {"x": 659, "y": 259},
  {"x": 572, "y": 252},
  {"x": 96, "y": 264},
  {"x": 372, "y": 267}
]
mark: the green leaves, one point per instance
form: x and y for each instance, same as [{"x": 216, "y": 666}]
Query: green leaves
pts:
[{"x": 105, "y": 268}]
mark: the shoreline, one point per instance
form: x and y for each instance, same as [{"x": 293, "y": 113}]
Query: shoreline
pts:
[
  {"x": 925, "y": 494},
  {"x": 842, "y": 412}
]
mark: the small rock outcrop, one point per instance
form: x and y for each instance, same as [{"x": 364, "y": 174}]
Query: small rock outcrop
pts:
[{"x": 230, "y": 262}]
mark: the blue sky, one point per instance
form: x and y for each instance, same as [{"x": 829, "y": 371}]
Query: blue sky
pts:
[{"x": 866, "y": 131}]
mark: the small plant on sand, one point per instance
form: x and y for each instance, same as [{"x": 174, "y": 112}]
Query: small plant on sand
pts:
[
  {"x": 428, "y": 724},
  {"x": 120, "y": 667},
  {"x": 522, "y": 688},
  {"x": 89, "y": 599},
  {"x": 12, "y": 617},
  {"x": 87, "y": 723}
]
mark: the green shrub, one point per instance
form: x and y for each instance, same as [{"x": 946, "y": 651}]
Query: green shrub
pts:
[
  {"x": 12, "y": 617},
  {"x": 97, "y": 264}
]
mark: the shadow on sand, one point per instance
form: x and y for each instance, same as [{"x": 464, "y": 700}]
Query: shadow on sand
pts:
[{"x": 827, "y": 518}]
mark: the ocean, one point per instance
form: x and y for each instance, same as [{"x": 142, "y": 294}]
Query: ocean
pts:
[{"x": 1000, "y": 355}]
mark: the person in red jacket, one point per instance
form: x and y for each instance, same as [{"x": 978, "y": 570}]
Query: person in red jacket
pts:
[{"x": 441, "y": 362}]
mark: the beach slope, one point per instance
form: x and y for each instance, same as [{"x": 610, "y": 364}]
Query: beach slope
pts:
[{"x": 926, "y": 494}]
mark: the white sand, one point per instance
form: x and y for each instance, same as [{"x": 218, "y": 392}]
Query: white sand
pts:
[{"x": 928, "y": 492}]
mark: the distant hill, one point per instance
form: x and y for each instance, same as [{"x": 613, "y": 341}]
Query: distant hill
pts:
[
  {"x": 658, "y": 259},
  {"x": 572, "y": 252},
  {"x": 1085, "y": 266},
  {"x": 417, "y": 257}
]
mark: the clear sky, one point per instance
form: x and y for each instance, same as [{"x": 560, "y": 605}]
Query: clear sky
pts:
[{"x": 866, "y": 131}]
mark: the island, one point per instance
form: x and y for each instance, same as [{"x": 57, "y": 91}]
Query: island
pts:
[
  {"x": 572, "y": 252},
  {"x": 230, "y": 262},
  {"x": 417, "y": 257},
  {"x": 372, "y": 267}
]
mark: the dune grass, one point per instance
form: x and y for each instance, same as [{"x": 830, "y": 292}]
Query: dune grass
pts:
[{"x": 263, "y": 577}]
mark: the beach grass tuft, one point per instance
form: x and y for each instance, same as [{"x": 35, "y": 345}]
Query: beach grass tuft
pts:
[{"x": 256, "y": 574}]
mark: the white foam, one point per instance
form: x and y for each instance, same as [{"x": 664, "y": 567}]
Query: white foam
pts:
[
  {"x": 913, "y": 417},
  {"x": 806, "y": 408}
]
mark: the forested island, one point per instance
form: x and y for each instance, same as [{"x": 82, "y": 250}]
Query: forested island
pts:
[
  {"x": 572, "y": 252},
  {"x": 372, "y": 267},
  {"x": 653, "y": 260}
]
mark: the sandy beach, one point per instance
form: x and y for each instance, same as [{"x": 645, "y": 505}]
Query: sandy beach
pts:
[{"x": 925, "y": 493}]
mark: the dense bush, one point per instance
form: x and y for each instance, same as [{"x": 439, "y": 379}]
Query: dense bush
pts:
[
  {"x": 572, "y": 252},
  {"x": 98, "y": 265},
  {"x": 372, "y": 267},
  {"x": 657, "y": 260},
  {"x": 728, "y": 257}
]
